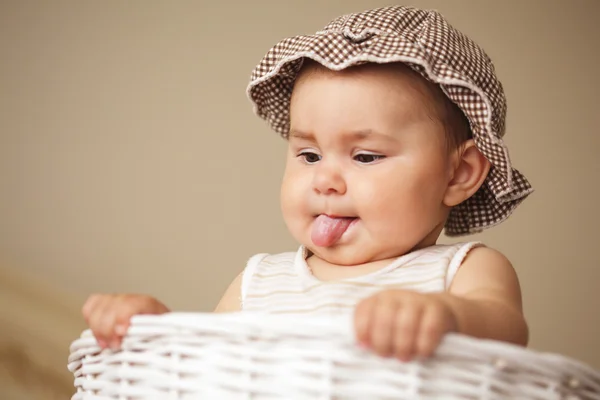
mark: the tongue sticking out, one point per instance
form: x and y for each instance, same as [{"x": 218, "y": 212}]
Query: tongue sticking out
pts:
[{"x": 328, "y": 230}]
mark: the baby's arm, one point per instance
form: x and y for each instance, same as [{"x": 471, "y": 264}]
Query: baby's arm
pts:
[
  {"x": 231, "y": 300},
  {"x": 485, "y": 298},
  {"x": 484, "y": 301}
]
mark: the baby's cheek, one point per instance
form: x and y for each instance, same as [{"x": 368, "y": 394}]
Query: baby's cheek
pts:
[
  {"x": 294, "y": 211},
  {"x": 397, "y": 220}
]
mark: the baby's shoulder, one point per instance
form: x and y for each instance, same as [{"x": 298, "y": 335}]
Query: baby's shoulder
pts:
[
  {"x": 452, "y": 253},
  {"x": 485, "y": 266},
  {"x": 267, "y": 260}
]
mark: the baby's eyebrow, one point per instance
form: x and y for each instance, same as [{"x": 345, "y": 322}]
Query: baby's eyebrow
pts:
[
  {"x": 294, "y": 133},
  {"x": 353, "y": 135}
]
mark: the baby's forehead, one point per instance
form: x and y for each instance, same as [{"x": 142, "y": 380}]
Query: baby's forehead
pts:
[
  {"x": 392, "y": 70},
  {"x": 396, "y": 77}
]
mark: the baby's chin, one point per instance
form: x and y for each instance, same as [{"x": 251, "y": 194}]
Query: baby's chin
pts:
[{"x": 345, "y": 255}]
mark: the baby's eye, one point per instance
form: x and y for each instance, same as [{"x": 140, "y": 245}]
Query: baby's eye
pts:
[
  {"x": 310, "y": 157},
  {"x": 368, "y": 158}
]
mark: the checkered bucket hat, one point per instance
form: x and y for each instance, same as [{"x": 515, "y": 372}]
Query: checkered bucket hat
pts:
[{"x": 427, "y": 43}]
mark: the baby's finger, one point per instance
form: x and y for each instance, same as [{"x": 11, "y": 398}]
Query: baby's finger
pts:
[
  {"x": 381, "y": 329},
  {"x": 105, "y": 324},
  {"x": 90, "y": 304},
  {"x": 124, "y": 315},
  {"x": 130, "y": 306},
  {"x": 431, "y": 331},
  {"x": 362, "y": 320},
  {"x": 108, "y": 327},
  {"x": 95, "y": 320},
  {"x": 121, "y": 327},
  {"x": 406, "y": 330}
]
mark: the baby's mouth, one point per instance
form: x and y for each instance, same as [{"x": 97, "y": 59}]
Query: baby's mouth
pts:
[{"x": 329, "y": 229}]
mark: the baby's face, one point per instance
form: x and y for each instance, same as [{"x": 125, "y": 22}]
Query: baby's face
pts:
[{"x": 367, "y": 167}]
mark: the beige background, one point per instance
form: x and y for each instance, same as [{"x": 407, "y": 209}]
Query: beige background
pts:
[{"x": 130, "y": 159}]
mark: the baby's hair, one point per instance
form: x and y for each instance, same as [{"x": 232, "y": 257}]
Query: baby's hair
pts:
[
  {"x": 455, "y": 122},
  {"x": 442, "y": 109}
]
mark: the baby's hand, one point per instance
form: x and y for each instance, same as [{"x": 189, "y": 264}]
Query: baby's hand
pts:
[
  {"x": 402, "y": 323},
  {"x": 108, "y": 315}
]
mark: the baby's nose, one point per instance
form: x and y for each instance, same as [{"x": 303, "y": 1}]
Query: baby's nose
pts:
[{"x": 328, "y": 179}]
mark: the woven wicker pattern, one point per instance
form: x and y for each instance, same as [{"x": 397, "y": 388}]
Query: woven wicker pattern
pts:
[{"x": 251, "y": 356}]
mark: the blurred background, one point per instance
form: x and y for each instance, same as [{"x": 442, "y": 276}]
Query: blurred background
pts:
[{"x": 131, "y": 161}]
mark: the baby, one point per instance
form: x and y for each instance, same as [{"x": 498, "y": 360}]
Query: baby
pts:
[{"x": 394, "y": 122}]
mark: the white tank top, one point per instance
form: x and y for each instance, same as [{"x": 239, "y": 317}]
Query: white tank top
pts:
[{"x": 283, "y": 283}]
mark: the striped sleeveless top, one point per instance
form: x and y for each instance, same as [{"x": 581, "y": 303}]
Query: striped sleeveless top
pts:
[{"x": 283, "y": 283}]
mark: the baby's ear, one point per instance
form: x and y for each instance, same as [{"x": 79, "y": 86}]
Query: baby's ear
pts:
[{"x": 470, "y": 170}]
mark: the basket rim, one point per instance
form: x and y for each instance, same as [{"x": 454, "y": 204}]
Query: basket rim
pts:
[{"x": 339, "y": 328}]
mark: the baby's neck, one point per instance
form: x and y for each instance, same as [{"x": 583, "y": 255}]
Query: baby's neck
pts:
[{"x": 326, "y": 271}]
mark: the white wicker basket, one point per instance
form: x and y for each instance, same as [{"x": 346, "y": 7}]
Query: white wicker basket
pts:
[{"x": 249, "y": 356}]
